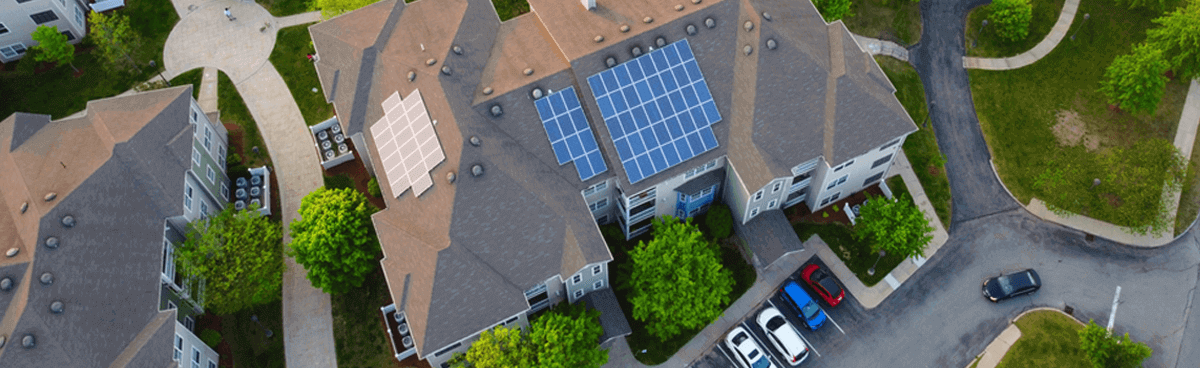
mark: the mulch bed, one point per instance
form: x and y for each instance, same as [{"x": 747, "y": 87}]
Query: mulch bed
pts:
[
  {"x": 211, "y": 322},
  {"x": 801, "y": 213},
  {"x": 358, "y": 174}
]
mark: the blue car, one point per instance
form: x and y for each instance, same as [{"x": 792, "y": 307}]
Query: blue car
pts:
[{"x": 813, "y": 316}]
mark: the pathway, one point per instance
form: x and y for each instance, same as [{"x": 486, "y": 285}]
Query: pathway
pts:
[
  {"x": 880, "y": 47},
  {"x": 240, "y": 48},
  {"x": 1037, "y": 52}
]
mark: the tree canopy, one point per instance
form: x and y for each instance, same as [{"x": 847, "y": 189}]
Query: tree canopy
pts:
[
  {"x": 1178, "y": 36},
  {"x": 677, "y": 281},
  {"x": 1135, "y": 81},
  {"x": 895, "y": 226},
  {"x": 333, "y": 8},
  {"x": 719, "y": 221},
  {"x": 239, "y": 254},
  {"x": 113, "y": 37},
  {"x": 1011, "y": 18},
  {"x": 1108, "y": 351},
  {"x": 53, "y": 46},
  {"x": 566, "y": 336},
  {"x": 334, "y": 239},
  {"x": 833, "y": 10}
]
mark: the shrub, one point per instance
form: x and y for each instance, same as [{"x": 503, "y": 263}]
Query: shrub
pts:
[
  {"x": 373, "y": 188},
  {"x": 210, "y": 338},
  {"x": 719, "y": 221},
  {"x": 1012, "y": 18}
]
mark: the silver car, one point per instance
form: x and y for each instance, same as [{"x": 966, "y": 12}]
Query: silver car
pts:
[
  {"x": 783, "y": 335},
  {"x": 746, "y": 353}
]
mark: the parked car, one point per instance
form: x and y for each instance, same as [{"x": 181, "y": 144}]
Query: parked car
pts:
[
  {"x": 783, "y": 335},
  {"x": 1011, "y": 285},
  {"x": 746, "y": 352},
  {"x": 813, "y": 316},
  {"x": 823, "y": 282}
]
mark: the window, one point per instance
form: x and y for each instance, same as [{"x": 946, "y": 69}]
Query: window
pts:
[
  {"x": 78, "y": 15},
  {"x": 837, "y": 182},
  {"x": 212, "y": 364},
  {"x": 43, "y": 17},
  {"x": 12, "y": 51},
  {"x": 208, "y": 139},
  {"x": 212, "y": 175},
  {"x": 872, "y": 179},
  {"x": 578, "y": 293},
  {"x": 178, "y": 348},
  {"x": 754, "y": 212},
  {"x": 598, "y": 205},
  {"x": 892, "y": 143},
  {"x": 195, "y": 156},
  {"x": 758, "y": 195},
  {"x": 576, "y": 279},
  {"x": 772, "y": 203},
  {"x": 596, "y": 270},
  {"x": 700, "y": 169},
  {"x": 707, "y": 191},
  {"x": 190, "y": 323},
  {"x": 168, "y": 268},
  {"x": 510, "y": 320},
  {"x": 881, "y": 161},
  {"x": 193, "y": 116},
  {"x": 595, "y": 188},
  {"x": 447, "y": 349},
  {"x": 203, "y": 208},
  {"x": 3, "y": 29},
  {"x": 831, "y": 198},
  {"x": 225, "y": 190},
  {"x": 602, "y": 220},
  {"x": 187, "y": 196},
  {"x": 195, "y": 357},
  {"x": 598, "y": 285},
  {"x": 23, "y": 1},
  {"x": 777, "y": 186},
  {"x": 221, "y": 157},
  {"x": 70, "y": 36}
]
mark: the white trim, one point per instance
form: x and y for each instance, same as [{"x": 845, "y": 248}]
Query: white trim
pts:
[
  {"x": 758, "y": 195},
  {"x": 576, "y": 279},
  {"x": 210, "y": 174},
  {"x": 178, "y": 348},
  {"x": 597, "y": 269},
  {"x": 772, "y": 203},
  {"x": 225, "y": 190},
  {"x": 187, "y": 196},
  {"x": 208, "y": 139},
  {"x": 754, "y": 212},
  {"x": 578, "y": 294},
  {"x": 599, "y": 284}
]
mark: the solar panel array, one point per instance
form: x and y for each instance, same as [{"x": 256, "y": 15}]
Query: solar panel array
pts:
[
  {"x": 658, "y": 110},
  {"x": 570, "y": 134},
  {"x": 407, "y": 143}
]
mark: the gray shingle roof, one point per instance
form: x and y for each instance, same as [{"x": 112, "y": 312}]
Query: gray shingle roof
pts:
[{"x": 612, "y": 320}]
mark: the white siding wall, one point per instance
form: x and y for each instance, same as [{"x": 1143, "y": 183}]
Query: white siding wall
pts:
[
  {"x": 190, "y": 342},
  {"x": 735, "y": 193},
  {"x": 856, "y": 173}
]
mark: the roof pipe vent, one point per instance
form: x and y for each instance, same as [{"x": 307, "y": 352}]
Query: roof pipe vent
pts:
[
  {"x": 610, "y": 62},
  {"x": 6, "y": 284},
  {"x": 767, "y": 16},
  {"x": 450, "y": 177},
  {"x": 412, "y": 76},
  {"x": 748, "y": 26},
  {"x": 771, "y": 44},
  {"x": 446, "y": 69},
  {"x": 636, "y": 51},
  {"x": 528, "y": 71},
  {"x": 496, "y": 111},
  {"x": 52, "y": 242},
  {"x": 599, "y": 39},
  {"x": 50, "y": 196},
  {"x": 28, "y": 341},
  {"x": 475, "y": 141},
  {"x": 624, "y": 28},
  {"x": 691, "y": 30},
  {"x": 476, "y": 170},
  {"x": 68, "y": 221},
  {"x": 431, "y": 61},
  {"x": 748, "y": 49},
  {"x": 457, "y": 50},
  {"x": 12, "y": 252},
  {"x": 695, "y": 1},
  {"x": 647, "y": 20},
  {"x": 56, "y": 307},
  {"x": 588, "y": 4},
  {"x": 24, "y": 207},
  {"x": 709, "y": 22},
  {"x": 678, "y": 7},
  {"x": 487, "y": 91},
  {"x": 537, "y": 93},
  {"x": 46, "y": 278},
  {"x": 660, "y": 42},
  {"x": 3, "y": 339}
]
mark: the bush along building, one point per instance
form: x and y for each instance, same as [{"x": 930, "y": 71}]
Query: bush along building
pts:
[
  {"x": 93, "y": 206},
  {"x": 500, "y": 146}
]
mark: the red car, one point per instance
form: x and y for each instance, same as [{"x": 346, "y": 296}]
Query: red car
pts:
[{"x": 820, "y": 280}]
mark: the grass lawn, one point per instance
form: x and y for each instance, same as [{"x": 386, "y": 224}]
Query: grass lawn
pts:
[
  {"x": 358, "y": 330},
  {"x": 281, "y": 8},
  {"x": 249, "y": 342},
  {"x": 658, "y": 351},
  {"x": 234, "y": 111},
  {"x": 1048, "y": 339},
  {"x": 192, "y": 77},
  {"x": 1049, "y": 117},
  {"x": 58, "y": 92},
  {"x": 1189, "y": 202},
  {"x": 920, "y": 147},
  {"x": 290, "y": 57},
  {"x": 893, "y": 20},
  {"x": 1045, "y": 14},
  {"x": 509, "y": 9},
  {"x": 857, "y": 256}
]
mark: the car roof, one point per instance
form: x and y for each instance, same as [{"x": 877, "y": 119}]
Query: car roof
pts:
[
  {"x": 797, "y": 294},
  {"x": 786, "y": 335},
  {"x": 748, "y": 345}
]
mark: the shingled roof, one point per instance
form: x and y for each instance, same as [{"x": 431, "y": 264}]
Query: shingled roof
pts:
[
  {"x": 458, "y": 256},
  {"x": 117, "y": 170}
]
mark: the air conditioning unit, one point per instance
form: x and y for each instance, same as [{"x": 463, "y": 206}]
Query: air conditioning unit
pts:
[
  {"x": 339, "y": 138},
  {"x": 342, "y": 148},
  {"x": 239, "y": 205},
  {"x": 241, "y": 182},
  {"x": 255, "y": 192},
  {"x": 240, "y": 193},
  {"x": 256, "y": 180},
  {"x": 322, "y": 135}
]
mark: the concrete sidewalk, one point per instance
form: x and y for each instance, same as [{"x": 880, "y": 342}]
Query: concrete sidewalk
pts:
[
  {"x": 1039, "y": 51},
  {"x": 880, "y": 47}
]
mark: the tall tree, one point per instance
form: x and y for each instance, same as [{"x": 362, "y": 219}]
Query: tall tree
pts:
[
  {"x": 113, "y": 37},
  {"x": 334, "y": 239},
  {"x": 832, "y": 10},
  {"x": 1135, "y": 81},
  {"x": 895, "y": 226},
  {"x": 501, "y": 347},
  {"x": 333, "y": 8},
  {"x": 568, "y": 336},
  {"x": 1012, "y": 18},
  {"x": 53, "y": 46},
  {"x": 240, "y": 256},
  {"x": 677, "y": 281},
  {"x": 1108, "y": 351},
  {"x": 1178, "y": 36}
]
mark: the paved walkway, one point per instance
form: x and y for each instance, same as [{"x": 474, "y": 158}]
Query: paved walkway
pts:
[
  {"x": 1037, "y": 52},
  {"x": 205, "y": 38},
  {"x": 880, "y": 47}
]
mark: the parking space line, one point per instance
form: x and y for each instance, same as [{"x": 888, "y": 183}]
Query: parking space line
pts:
[
  {"x": 722, "y": 350},
  {"x": 762, "y": 345},
  {"x": 835, "y": 324},
  {"x": 806, "y": 342}
]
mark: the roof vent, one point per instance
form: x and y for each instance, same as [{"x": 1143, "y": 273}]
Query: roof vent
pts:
[
  {"x": 52, "y": 242},
  {"x": 610, "y": 62},
  {"x": 475, "y": 141},
  {"x": 28, "y": 341},
  {"x": 446, "y": 69},
  {"x": 12, "y": 252},
  {"x": 3, "y": 339},
  {"x": 660, "y": 42},
  {"x": 624, "y": 28},
  {"x": 528, "y": 71},
  {"x": 450, "y": 177},
  {"x": 457, "y": 50},
  {"x": 6, "y": 284},
  {"x": 412, "y": 76},
  {"x": 496, "y": 111},
  {"x": 56, "y": 307},
  {"x": 771, "y": 45},
  {"x": 647, "y": 20},
  {"x": 695, "y": 1},
  {"x": 46, "y": 278},
  {"x": 691, "y": 30},
  {"x": 24, "y": 207},
  {"x": 487, "y": 90},
  {"x": 748, "y": 26},
  {"x": 599, "y": 39},
  {"x": 431, "y": 61},
  {"x": 476, "y": 170},
  {"x": 747, "y": 49},
  {"x": 636, "y": 51},
  {"x": 767, "y": 16},
  {"x": 709, "y": 22},
  {"x": 678, "y": 7},
  {"x": 537, "y": 93},
  {"x": 50, "y": 196},
  {"x": 68, "y": 221}
]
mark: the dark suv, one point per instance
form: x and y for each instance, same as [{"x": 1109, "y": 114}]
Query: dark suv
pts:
[{"x": 1011, "y": 285}]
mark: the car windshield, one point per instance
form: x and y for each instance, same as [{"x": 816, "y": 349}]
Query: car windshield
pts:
[
  {"x": 1005, "y": 284},
  {"x": 810, "y": 310},
  {"x": 761, "y": 363},
  {"x": 737, "y": 339},
  {"x": 775, "y": 322}
]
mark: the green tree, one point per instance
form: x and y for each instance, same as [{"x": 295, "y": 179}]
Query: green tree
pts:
[
  {"x": 677, "y": 280},
  {"x": 113, "y": 37},
  {"x": 1135, "y": 82},
  {"x": 1108, "y": 351},
  {"x": 719, "y": 221},
  {"x": 334, "y": 239},
  {"x": 832, "y": 10},
  {"x": 1178, "y": 36},
  {"x": 53, "y": 46},
  {"x": 373, "y": 188},
  {"x": 1137, "y": 175},
  {"x": 895, "y": 226},
  {"x": 501, "y": 347},
  {"x": 1148, "y": 4},
  {"x": 1011, "y": 18},
  {"x": 333, "y": 8},
  {"x": 568, "y": 336},
  {"x": 239, "y": 254}
]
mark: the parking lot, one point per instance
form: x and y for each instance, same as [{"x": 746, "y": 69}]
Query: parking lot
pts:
[{"x": 836, "y": 332}]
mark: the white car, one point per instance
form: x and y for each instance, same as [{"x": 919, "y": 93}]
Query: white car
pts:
[
  {"x": 783, "y": 335},
  {"x": 746, "y": 353}
]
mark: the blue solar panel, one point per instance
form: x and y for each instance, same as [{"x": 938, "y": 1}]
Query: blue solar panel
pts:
[
  {"x": 657, "y": 108},
  {"x": 570, "y": 134}
]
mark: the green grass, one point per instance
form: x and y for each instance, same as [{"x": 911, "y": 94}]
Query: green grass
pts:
[
  {"x": 282, "y": 8},
  {"x": 893, "y": 20},
  {"x": 292, "y": 46},
  {"x": 249, "y": 342},
  {"x": 658, "y": 351},
  {"x": 234, "y": 111},
  {"x": 358, "y": 330},
  {"x": 192, "y": 77},
  {"x": 1189, "y": 201},
  {"x": 59, "y": 93},
  {"x": 921, "y": 147},
  {"x": 1045, "y": 14},
  {"x": 339, "y": 182},
  {"x": 1048, "y": 339},
  {"x": 509, "y": 9},
  {"x": 1018, "y": 108}
]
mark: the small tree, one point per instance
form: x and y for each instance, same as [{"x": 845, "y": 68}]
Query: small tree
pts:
[
  {"x": 53, "y": 46},
  {"x": 334, "y": 239},
  {"x": 1108, "y": 351},
  {"x": 113, "y": 37},
  {"x": 373, "y": 188},
  {"x": 832, "y": 10},
  {"x": 501, "y": 347},
  {"x": 1012, "y": 18},
  {"x": 677, "y": 281},
  {"x": 1178, "y": 36},
  {"x": 333, "y": 8},
  {"x": 239, "y": 255},
  {"x": 719, "y": 221},
  {"x": 1135, "y": 82},
  {"x": 895, "y": 226}
]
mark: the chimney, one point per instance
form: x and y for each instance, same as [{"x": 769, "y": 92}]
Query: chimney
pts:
[{"x": 588, "y": 4}]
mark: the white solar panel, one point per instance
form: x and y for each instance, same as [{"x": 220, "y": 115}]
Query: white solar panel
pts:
[{"x": 407, "y": 143}]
